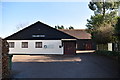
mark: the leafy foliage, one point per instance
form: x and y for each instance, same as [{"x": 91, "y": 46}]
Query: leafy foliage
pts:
[
  {"x": 103, "y": 6},
  {"x": 59, "y": 27},
  {"x": 93, "y": 23},
  {"x": 104, "y": 34},
  {"x": 101, "y": 25},
  {"x": 117, "y": 29},
  {"x": 108, "y": 53},
  {"x": 71, "y": 27}
]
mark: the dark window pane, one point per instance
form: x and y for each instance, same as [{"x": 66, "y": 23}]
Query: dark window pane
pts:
[
  {"x": 11, "y": 44},
  {"x": 38, "y": 45},
  {"x": 24, "y": 44}
]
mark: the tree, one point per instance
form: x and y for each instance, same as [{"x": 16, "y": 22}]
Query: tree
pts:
[
  {"x": 102, "y": 24},
  {"x": 104, "y": 34},
  {"x": 117, "y": 29},
  {"x": 93, "y": 23},
  {"x": 71, "y": 27},
  {"x": 96, "y": 21},
  {"x": 102, "y": 29},
  {"x": 56, "y": 27},
  {"x": 59, "y": 27},
  {"x": 104, "y": 6}
]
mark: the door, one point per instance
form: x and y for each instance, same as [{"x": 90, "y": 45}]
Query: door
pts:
[
  {"x": 88, "y": 46},
  {"x": 69, "y": 47}
]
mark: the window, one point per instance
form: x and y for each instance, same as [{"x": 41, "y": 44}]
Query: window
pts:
[
  {"x": 11, "y": 44},
  {"x": 38, "y": 35},
  {"x": 38, "y": 45},
  {"x": 24, "y": 44}
]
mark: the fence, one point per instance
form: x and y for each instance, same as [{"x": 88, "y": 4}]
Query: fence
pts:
[
  {"x": 114, "y": 47},
  {"x": 102, "y": 47},
  {"x": 109, "y": 47}
]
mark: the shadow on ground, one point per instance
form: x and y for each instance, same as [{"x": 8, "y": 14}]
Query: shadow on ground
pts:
[{"x": 90, "y": 66}]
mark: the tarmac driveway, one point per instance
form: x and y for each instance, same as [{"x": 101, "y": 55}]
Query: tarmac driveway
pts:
[{"x": 66, "y": 66}]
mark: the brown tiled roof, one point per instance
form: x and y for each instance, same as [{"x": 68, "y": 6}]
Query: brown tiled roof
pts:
[{"x": 78, "y": 33}]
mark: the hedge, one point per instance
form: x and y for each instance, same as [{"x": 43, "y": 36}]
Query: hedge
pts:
[{"x": 108, "y": 53}]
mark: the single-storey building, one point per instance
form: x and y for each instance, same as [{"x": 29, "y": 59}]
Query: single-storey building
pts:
[
  {"x": 84, "y": 41},
  {"x": 39, "y": 38}
]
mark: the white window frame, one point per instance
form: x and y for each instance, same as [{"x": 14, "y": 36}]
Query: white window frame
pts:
[
  {"x": 11, "y": 44},
  {"x": 38, "y": 44},
  {"x": 23, "y": 45}
]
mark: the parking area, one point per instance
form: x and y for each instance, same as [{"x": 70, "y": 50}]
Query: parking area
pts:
[{"x": 64, "y": 66}]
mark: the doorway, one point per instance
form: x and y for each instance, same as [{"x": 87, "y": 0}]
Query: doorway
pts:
[
  {"x": 88, "y": 46},
  {"x": 69, "y": 47}
]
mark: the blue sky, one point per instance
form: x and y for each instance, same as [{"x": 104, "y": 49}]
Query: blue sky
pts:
[{"x": 51, "y": 13}]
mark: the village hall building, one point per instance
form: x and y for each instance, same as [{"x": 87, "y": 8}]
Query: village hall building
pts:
[
  {"x": 84, "y": 40},
  {"x": 40, "y": 38}
]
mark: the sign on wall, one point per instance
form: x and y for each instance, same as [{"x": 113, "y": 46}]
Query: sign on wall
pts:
[{"x": 51, "y": 46}]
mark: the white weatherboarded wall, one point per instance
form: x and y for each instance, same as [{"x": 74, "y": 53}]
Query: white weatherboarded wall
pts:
[{"x": 52, "y": 47}]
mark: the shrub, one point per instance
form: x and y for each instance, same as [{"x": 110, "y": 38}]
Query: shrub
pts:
[{"x": 108, "y": 53}]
